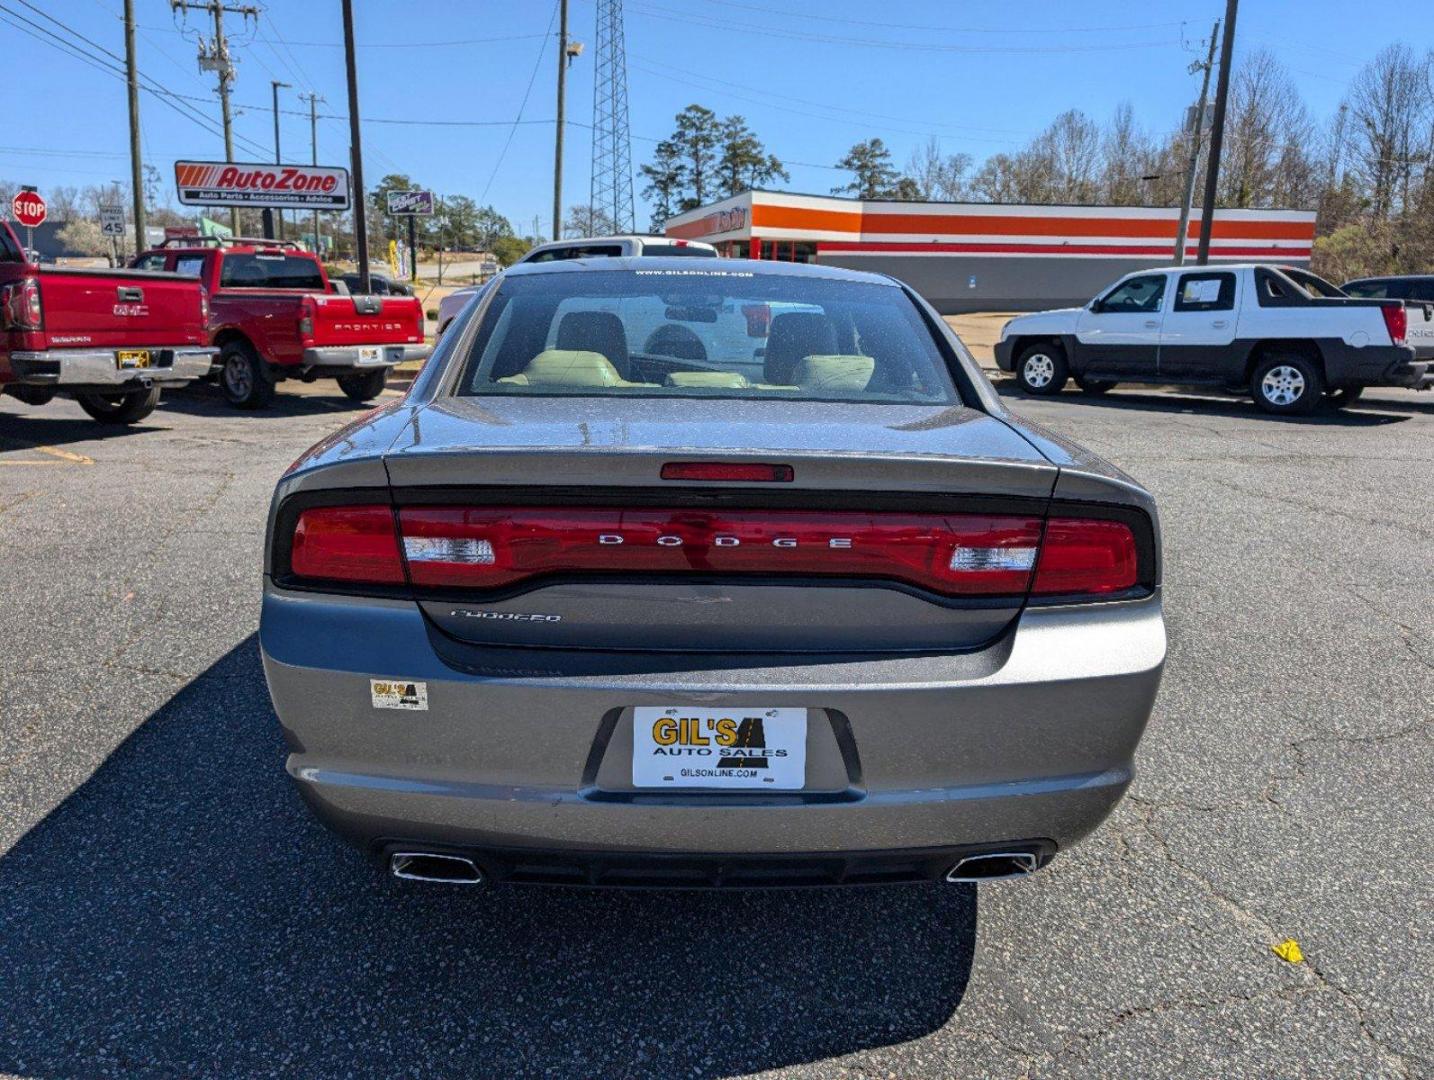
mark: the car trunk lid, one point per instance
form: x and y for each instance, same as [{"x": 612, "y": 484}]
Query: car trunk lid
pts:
[{"x": 831, "y": 560}]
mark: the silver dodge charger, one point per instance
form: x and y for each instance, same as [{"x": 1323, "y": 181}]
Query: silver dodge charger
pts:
[{"x": 733, "y": 574}]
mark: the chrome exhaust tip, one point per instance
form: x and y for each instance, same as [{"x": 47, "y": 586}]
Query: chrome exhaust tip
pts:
[
  {"x": 433, "y": 867},
  {"x": 993, "y": 866}
]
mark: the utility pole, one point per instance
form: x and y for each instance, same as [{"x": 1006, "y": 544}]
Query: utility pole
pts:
[
  {"x": 356, "y": 151},
  {"x": 313, "y": 100},
  {"x": 215, "y": 58},
  {"x": 273, "y": 217},
  {"x": 136, "y": 167},
  {"x": 1217, "y": 133},
  {"x": 562, "y": 96},
  {"x": 1197, "y": 129}
]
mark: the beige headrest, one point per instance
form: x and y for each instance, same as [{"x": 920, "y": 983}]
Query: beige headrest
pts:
[
  {"x": 571, "y": 367},
  {"x": 834, "y": 373},
  {"x": 725, "y": 379}
]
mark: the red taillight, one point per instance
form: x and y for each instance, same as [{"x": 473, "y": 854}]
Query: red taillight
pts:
[
  {"x": 204, "y": 305},
  {"x": 720, "y": 470},
  {"x": 1082, "y": 556},
  {"x": 347, "y": 543},
  {"x": 22, "y": 309},
  {"x": 306, "y": 319},
  {"x": 759, "y": 319},
  {"x": 1396, "y": 320},
  {"x": 488, "y": 547}
]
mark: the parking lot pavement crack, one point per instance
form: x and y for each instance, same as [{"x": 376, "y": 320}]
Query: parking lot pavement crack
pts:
[
  {"x": 1318, "y": 508},
  {"x": 1415, "y": 641},
  {"x": 1258, "y": 927}
]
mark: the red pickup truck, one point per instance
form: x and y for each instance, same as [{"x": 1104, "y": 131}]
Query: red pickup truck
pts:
[
  {"x": 274, "y": 316},
  {"x": 110, "y": 338}
]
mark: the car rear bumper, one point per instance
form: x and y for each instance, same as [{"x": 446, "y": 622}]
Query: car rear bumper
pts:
[
  {"x": 100, "y": 368},
  {"x": 1030, "y": 740},
  {"x": 353, "y": 356},
  {"x": 1004, "y": 351},
  {"x": 1374, "y": 365}
]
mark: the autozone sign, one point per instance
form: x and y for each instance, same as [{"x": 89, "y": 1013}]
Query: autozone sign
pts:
[{"x": 297, "y": 187}]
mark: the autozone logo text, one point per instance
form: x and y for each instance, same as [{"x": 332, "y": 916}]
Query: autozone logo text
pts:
[{"x": 227, "y": 183}]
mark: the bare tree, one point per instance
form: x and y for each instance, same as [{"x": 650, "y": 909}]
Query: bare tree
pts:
[
  {"x": 586, "y": 220},
  {"x": 1389, "y": 110},
  {"x": 1268, "y": 132},
  {"x": 1126, "y": 156},
  {"x": 936, "y": 174}
]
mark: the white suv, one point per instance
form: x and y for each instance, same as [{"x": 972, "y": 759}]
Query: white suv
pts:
[{"x": 587, "y": 247}]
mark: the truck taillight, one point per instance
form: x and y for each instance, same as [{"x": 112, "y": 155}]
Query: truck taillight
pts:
[
  {"x": 1396, "y": 320},
  {"x": 204, "y": 305},
  {"x": 306, "y": 318},
  {"x": 21, "y": 304}
]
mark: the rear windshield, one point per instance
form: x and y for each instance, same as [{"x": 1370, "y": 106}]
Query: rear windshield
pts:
[
  {"x": 678, "y": 251},
  {"x": 705, "y": 333},
  {"x": 258, "y": 271}
]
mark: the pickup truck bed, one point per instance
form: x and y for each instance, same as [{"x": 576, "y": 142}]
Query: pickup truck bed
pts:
[
  {"x": 275, "y": 316},
  {"x": 1240, "y": 327},
  {"x": 99, "y": 334}
]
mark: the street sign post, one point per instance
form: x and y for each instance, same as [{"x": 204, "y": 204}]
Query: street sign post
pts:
[
  {"x": 412, "y": 205},
  {"x": 29, "y": 209},
  {"x": 112, "y": 225},
  {"x": 112, "y": 220}
]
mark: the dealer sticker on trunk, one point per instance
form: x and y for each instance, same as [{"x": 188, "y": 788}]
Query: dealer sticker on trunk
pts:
[
  {"x": 399, "y": 694},
  {"x": 684, "y": 747}
]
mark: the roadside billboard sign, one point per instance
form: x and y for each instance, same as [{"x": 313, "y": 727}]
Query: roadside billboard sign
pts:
[
  {"x": 418, "y": 203},
  {"x": 279, "y": 187}
]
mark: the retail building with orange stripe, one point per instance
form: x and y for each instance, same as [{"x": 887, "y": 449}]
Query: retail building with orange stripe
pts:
[{"x": 986, "y": 256}]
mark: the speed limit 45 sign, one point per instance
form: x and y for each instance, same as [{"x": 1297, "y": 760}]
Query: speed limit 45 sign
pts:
[
  {"x": 112, "y": 220},
  {"x": 28, "y": 208}
]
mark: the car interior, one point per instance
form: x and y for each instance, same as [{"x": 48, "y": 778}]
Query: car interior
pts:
[{"x": 704, "y": 345}]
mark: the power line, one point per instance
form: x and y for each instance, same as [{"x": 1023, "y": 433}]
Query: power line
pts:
[
  {"x": 537, "y": 64},
  {"x": 657, "y": 11},
  {"x": 950, "y": 29},
  {"x": 158, "y": 90},
  {"x": 447, "y": 43}
]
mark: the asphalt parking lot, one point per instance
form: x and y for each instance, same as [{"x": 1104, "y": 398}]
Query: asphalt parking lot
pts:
[{"x": 169, "y": 908}]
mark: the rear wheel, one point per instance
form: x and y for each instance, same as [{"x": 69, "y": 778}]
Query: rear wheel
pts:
[
  {"x": 364, "y": 386},
  {"x": 1287, "y": 384},
  {"x": 125, "y": 408},
  {"x": 244, "y": 377},
  {"x": 1095, "y": 387},
  {"x": 1042, "y": 369},
  {"x": 1345, "y": 395}
]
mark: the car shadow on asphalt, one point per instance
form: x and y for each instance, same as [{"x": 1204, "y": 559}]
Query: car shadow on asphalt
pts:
[
  {"x": 202, "y": 399},
  {"x": 182, "y": 914},
  {"x": 1361, "y": 414}
]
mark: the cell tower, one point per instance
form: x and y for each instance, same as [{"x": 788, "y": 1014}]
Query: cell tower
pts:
[{"x": 611, "y": 191}]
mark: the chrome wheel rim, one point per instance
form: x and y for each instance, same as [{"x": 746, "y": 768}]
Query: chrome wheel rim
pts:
[
  {"x": 1282, "y": 385},
  {"x": 236, "y": 376},
  {"x": 1039, "y": 370}
]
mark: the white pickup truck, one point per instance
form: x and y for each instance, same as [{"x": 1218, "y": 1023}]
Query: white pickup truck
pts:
[{"x": 1249, "y": 328}]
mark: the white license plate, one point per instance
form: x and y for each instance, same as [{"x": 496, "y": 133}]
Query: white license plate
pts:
[
  {"x": 370, "y": 354},
  {"x": 699, "y": 747}
]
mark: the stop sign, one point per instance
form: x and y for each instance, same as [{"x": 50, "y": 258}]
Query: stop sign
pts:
[{"x": 29, "y": 208}]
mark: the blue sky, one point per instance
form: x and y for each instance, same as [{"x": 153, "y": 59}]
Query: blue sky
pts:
[{"x": 811, "y": 79}]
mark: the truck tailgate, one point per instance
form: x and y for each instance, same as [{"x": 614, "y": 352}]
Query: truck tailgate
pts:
[
  {"x": 1421, "y": 328},
  {"x": 367, "y": 320},
  {"x": 114, "y": 308}
]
